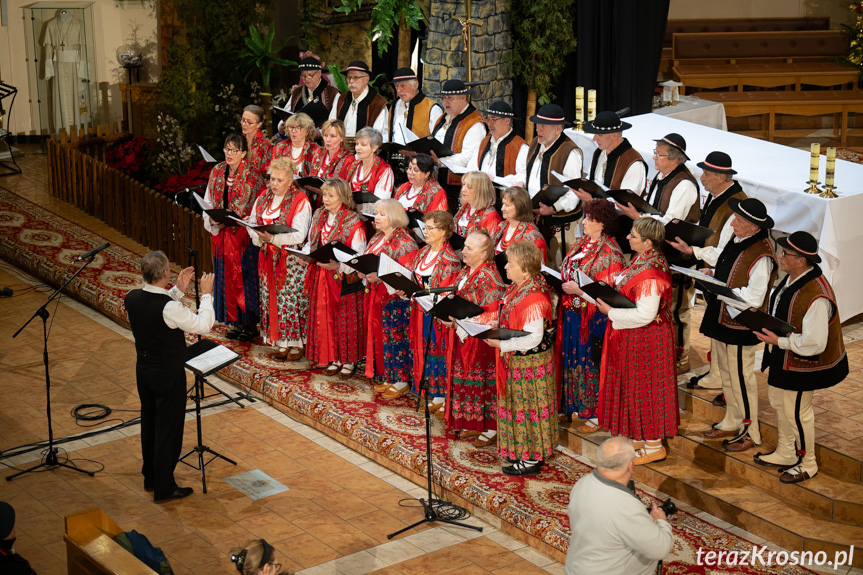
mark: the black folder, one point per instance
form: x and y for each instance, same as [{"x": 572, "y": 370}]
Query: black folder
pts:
[
  {"x": 456, "y": 241},
  {"x": 273, "y": 228},
  {"x": 365, "y": 198},
  {"x": 414, "y": 216},
  {"x": 365, "y": 264},
  {"x": 500, "y": 262},
  {"x": 392, "y": 148},
  {"x": 317, "y": 111},
  {"x": 428, "y": 145},
  {"x": 756, "y": 320},
  {"x": 310, "y": 184},
  {"x": 323, "y": 254},
  {"x": 716, "y": 289},
  {"x": 400, "y": 283},
  {"x": 500, "y": 333},
  {"x": 455, "y": 306},
  {"x": 283, "y": 114},
  {"x": 553, "y": 282},
  {"x": 588, "y": 186},
  {"x": 223, "y": 217},
  {"x": 692, "y": 234},
  {"x": 548, "y": 195},
  {"x": 603, "y": 291},
  {"x": 624, "y": 197}
]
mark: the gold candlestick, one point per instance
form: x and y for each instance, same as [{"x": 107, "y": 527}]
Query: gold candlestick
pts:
[{"x": 828, "y": 192}]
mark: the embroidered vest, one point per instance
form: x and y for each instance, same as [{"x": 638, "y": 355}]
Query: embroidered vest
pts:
[
  {"x": 419, "y": 113},
  {"x": 616, "y": 165},
  {"x": 455, "y": 135},
  {"x": 504, "y": 162},
  {"x": 716, "y": 212},
  {"x": 661, "y": 190},
  {"x": 368, "y": 109}
]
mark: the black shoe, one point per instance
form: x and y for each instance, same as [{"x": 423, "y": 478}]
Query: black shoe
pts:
[
  {"x": 179, "y": 493},
  {"x": 234, "y": 333},
  {"x": 147, "y": 487},
  {"x": 522, "y": 468},
  {"x": 719, "y": 400},
  {"x": 247, "y": 335}
]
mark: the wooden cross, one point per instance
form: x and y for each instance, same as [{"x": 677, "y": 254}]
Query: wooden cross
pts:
[{"x": 465, "y": 34}]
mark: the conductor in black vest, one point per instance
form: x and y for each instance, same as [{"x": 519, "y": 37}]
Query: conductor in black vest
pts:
[{"x": 159, "y": 321}]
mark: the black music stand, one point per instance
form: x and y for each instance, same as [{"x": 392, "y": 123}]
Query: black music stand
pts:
[
  {"x": 51, "y": 458},
  {"x": 430, "y": 505},
  {"x": 199, "y": 349}
]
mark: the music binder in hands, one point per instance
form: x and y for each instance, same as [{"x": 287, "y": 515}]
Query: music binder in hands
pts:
[
  {"x": 365, "y": 198},
  {"x": 365, "y": 264},
  {"x": 268, "y": 228},
  {"x": 756, "y": 320},
  {"x": 548, "y": 195},
  {"x": 455, "y": 306},
  {"x": 396, "y": 276},
  {"x": 624, "y": 197},
  {"x": 206, "y": 357},
  {"x": 428, "y": 145},
  {"x": 482, "y": 331},
  {"x": 227, "y": 218},
  {"x": 456, "y": 241},
  {"x": 692, "y": 234},
  {"x": 500, "y": 261},
  {"x": 597, "y": 191},
  {"x": 552, "y": 278},
  {"x": 603, "y": 291},
  {"x": 310, "y": 184},
  {"x": 323, "y": 254}
]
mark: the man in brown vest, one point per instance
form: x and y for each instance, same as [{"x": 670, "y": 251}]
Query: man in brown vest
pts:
[
  {"x": 314, "y": 96},
  {"x": 412, "y": 109},
  {"x": 552, "y": 151},
  {"x": 461, "y": 130},
  {"x": 812, "y": 357},
  {"x": 360, "y": 106},
  {"x": 617, "y": 165},
  {"x": 717, "y": 179},
  {"x": 747, "y": 265},
  {"x": 503, "y": 153}
]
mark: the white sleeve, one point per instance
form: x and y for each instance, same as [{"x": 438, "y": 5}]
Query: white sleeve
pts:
[
  {"x": 470, "y": 145},
  {"x": 178, "y": 316},
  {"x": 682, "y": 197},
  {"x": 358, "y": 245},
  {"x": 520, "y": 170},
  {"x": 571, "y": 170},
  {"x": 813, "y": 340},
  {"x": 709, "y": 255},
  {"x": 754, "y": 292},
  {"x": 635, "y": 178},
  {"x": 334, "y": 111},
  {"x": 434, "y": 115},
  {"x": 301, "y": 223},
  {"x": 643, "y": 313},
  {"x": 382, "y": 124},
  {"x": 473, "y": 163},
  {"x": 208, "y": 223},
  {"x": 525, "y": 342},
  {"x": 384, "y": 187},
  {"x": 252, "y": 219}
]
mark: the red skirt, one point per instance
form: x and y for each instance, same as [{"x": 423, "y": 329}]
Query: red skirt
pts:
[
  {"x": 335, "y": 322},
  {"x": 638, "y": 382}
]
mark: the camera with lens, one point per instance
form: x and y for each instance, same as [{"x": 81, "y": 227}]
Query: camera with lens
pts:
[{"x": 668, "y": 507}]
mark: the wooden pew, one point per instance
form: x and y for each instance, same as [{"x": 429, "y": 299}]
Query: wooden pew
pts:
[
  {"x": 795, "y": 103},
  {"x": 738, "y": 59},
  {"x": 90, "y": 547}
]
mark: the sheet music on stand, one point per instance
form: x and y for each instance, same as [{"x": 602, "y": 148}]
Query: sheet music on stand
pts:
[{"x": 207, "y": 356}]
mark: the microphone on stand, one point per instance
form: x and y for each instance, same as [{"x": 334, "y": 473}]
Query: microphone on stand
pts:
[
  {"x": 92, "y": 252},
  {"x": 192, "y": 188},
  {"x": 431, "y": 291}
]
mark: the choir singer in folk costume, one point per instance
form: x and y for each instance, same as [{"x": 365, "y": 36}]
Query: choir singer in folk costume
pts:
[{"x": 300, "y": 145}]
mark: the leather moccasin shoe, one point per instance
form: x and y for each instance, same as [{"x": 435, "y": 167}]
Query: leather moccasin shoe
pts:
[
  {"x": 394, "y": 393},
  {"x": 332, "y": 369},
  {"x": 757, "y": 458},
  {"x": 295, "y": 354},
  {"x": 644, "y": 458},
  {"x": 795, "y": 475},
  {"x": 347, "y": 372},
  {"x": 485, "y": 441},
  {"x": 719, "y": 400},
  {"x": 522, "y": 468},
  {"x": 716, "y": 433},
  {"x": 382, "y": 387},
  {"x": 588, "y": 428},
  {"x": 179, "y": 493},
  {"x": 741, "y": 444}
]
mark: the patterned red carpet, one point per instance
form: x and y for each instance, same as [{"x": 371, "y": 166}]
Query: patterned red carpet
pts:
[{"x": 45, "y": 244}]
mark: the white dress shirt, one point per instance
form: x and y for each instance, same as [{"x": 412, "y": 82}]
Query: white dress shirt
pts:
[
  {"x": 683, "y": 196},
  {"x": 178, "y": 316},
  {"x": 489, "y": 163},
  {"x": 634, "y": 179},
  {"x": 813, "y": 340},
  {"x": 400, "y": 118},
  {"x": 470, "y": 144},
  {"x": 572, "y": 170},
  {"x": 754, "y": 292},
  {"x": 380, "y": 123}
]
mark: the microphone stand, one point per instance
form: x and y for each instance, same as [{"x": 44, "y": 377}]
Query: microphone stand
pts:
[
  {"x": 192, "y": 260},
  {"x": 51, "y": 459},
  {"x": 431, "y": 505}
]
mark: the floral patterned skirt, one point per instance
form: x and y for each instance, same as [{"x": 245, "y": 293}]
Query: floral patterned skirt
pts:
[
  {"x": 526, "y": 418},
  {"x": 398, "y": 357},
  {"x": 579, "y": 371},
  {"x": 291, "y": 306},
  {"x": 473, "y": 404}
]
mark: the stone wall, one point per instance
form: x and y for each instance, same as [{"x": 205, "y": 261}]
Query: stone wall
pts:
[{"x": 444, "y": 54}]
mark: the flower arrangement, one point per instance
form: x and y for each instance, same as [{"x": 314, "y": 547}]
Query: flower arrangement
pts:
[
  {"x": 198, "y": 173},
  {"x": 172, "y": 154},
  {"x": 129, "y": 156}
]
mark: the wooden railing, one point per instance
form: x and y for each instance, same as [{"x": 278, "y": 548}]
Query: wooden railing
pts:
[{"x": 78, "y": 175}]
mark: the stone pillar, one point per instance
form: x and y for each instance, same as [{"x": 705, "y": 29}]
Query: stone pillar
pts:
[{"x": 444, "y": 55}]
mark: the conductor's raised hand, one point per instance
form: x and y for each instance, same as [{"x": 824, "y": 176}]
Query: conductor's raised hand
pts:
[
  {"x": 207, "y": 283},
  {"x": 184, "y": 277}
]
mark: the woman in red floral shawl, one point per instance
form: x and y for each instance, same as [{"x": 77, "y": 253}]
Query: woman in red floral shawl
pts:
[
  {"x": 369, "y": 173},
  {"x": 388, "y": 351},
  {"x": 435, "y": 265},
  {"x": 638, "y": 375},
  {"x": 283, "y": 299},
  {"x": 517, "y": 224},
  {"x": 333, "y": 160},
  {"x": 477, "y": 205},
  {"x": 300, "y": 146},
  {"x": 260, "y": 149},
  {"x": 334, "y": 336},
  {"x": 471, "y": 367},
  {"x": 580, "y": 330},
  {"x": 526, "y": 378},
  {"x": 234, "y": 185},
  {"x": 422, "y": 192}
]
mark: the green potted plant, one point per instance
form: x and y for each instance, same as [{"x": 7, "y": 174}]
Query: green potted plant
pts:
[{"x": 260, "y": 56}]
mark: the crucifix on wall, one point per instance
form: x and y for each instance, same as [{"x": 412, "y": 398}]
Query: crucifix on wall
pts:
[{"x": 465, "y": 34}]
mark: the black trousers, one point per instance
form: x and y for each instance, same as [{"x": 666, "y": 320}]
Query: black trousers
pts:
[{"x": 162, "y": 390}]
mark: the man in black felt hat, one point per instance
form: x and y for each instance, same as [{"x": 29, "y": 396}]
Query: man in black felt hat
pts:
[
  {"x": 413, "y": 109},
  {"x": 313, "y": 89},
  {"x": 717, "y": 179},
  {"x": 811, "y": 357},
  {"x": 11, "y": 563},
  {"x": 552, "y": 151},
  {"x": 502, "y": 153},
  {"x": 461, "y": 130},
  {"x": 747, "y": 265},
  {"x": 360, "y": 106},
  {"x": 618, "y": 165}
]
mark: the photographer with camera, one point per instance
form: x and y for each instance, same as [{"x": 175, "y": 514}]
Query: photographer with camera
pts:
[{"x": 611, "y": 531}]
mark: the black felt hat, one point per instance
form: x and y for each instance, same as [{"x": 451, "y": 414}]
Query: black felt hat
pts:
[
  {"x": 358, "y": 66},
  {"x": 803, "y": 243},
  {"x": 717, "y": 162},
  {"x": 309, "y": 63},
  {"x": 550, "y": 114},
  {"x": 676, "y": 141},
  {"x": 500, "y": 109},
  {"x": 403, "y": 75},
  {"x": 753, "y": 210},
  {"x": 454, "y": 88},
  {"x": 605, "y": 123},
  {"x": 7, "y": 519}
]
